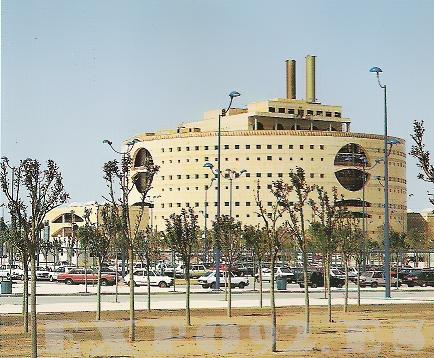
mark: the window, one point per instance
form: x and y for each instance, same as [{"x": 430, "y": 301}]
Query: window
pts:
[
  {"x": 162, "y": 149},
  {"x": 290, "y": 146},
  {"x": 237, "y": 186},
  {"x": 247, "y": 186},
  {"x": 170, "y": 205},
  {"x": 311, "y": 159},
  {"x": 178, "y": 176},
  {"x": 321, "y": 146},
  {"x": 216, "y": 147},
  {"x": 187, "y": 149},
  {"x": 312, "y": 146},
  {"x": 205, "y": 147},
  {"x": 269, "y": 186},
  {"x": 237, "y": 203},
  {"x": 196, "y": 176},
  {"x": 196, "y": 147},
  {"x": 237, "y": 146},
  {"x": 269, "y": 146},
  {"x": 258, "y": 146},
  {"x": 322, "y": 159},
  {"x": 309, "y": 112},
  {"x": 162, "y": 177},
  {"x": 312, "y": 175},
  {"x": 280, "y": 146},
  {"x": 301, "y": 158},
  {"x": 338, "y": 114},
  {"x": 178, "y": 149},
  {"x": 170, "y": 177},
  {"x": 321, "y": 175},
  {"x": 206, "y": 175},
  {"x": 290, "y": 158},
  {"x": 170, "y": 149},
  {"x": 226, "y": 203},
  {"x": 280, "y": 175},
  {"x": 178, "y": 205},
  {"x": 281, "y": 110},
  {"x": 247, "y": 146},
  {"x": 270, "y": 204},
  {"x": 269, "y": 157},
  {"x": 226, "y": 146},
  {"x": 247, "y": 158},
  {"x": 247, "y": 203},
  {"x": 258, "y": 175},
  {"x": 271, "y": 109},
  {"x": 280, "y": 158},
  {"x": 269, "y": 175},
  {"x": 319, "y": 113},
  {"x": 291, "y": 111},
  {"x": 258, "y": 158},
  {"x": 301, "y": 146},
  {"x": 247, "y": 175},
  {"x": 328, "y": 114}
]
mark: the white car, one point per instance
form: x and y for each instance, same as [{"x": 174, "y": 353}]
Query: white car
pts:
[
  {"x": 52, "y": 276},
  {"x": 42, "y": 273},
  {"x": 17, "y": 271},
  {"x": 375, "y": 279},
  {"x": 278, "y": 272},
  {"x": 140, "y": 278},
  {"x": 209, "y": 280}
]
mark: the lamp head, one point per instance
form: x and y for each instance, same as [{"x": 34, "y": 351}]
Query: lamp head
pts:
[
  {"x": 134, "y": 141},
  {"x": 234, "y": 94},
  {"x": 379, "y": 160},
  {"x": 208, "y": 165},
  {"x": 376, "y": 70},
  {"x": 377, "y": 177},
  {"x": 243, "y": 171},
  {"x": 106, "y": 141}
]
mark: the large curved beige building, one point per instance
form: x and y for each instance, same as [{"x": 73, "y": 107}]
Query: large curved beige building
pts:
[{"x": 268, "y": 139}]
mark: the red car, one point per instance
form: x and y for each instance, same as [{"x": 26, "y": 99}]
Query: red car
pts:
[{"x": 76, "y": 276}]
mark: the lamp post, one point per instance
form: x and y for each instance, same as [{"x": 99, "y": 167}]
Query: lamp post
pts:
[
  {"x": 125, "y": 156},
  {"x": 205, "y": 215},
  {"x": 232, "y": 174},
  {"x": 232, "y": 95},
  {"x": 377, "y": 71}
]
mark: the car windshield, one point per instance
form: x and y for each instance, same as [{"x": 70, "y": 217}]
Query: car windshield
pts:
[
  {"x": 285, "y": 270},
  {"x": 208, "y": 273}
]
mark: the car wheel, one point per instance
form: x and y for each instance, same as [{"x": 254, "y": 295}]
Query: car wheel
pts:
[
  {"x": 301, "y": 285},
  {"x": 104, "y": 282},
  {"x": 410, "y": 284},
  {"x": 374, "y": 284},
  {"x": 213, "y": 285},
  {"x": 205, "y": 286},
  {"x": 339, "y": 285},
  {"x": 51, "y": 279},
  {"x": 68, "y": 281},
  {"x": 242, "y": 285},
  {"x": 162, "y": 284},
  {"x": 314, "y": 285}
]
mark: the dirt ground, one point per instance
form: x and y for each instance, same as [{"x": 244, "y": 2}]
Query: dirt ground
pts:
[{"x": 366, "y": 331}]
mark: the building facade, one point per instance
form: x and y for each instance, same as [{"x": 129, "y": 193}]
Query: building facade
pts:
[{"x": 264, "y": 143}]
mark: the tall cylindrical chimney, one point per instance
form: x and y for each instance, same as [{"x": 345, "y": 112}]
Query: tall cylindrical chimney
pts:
[
  {"x": 310, "y": 78},
  {"x": 290, "y": 79}
]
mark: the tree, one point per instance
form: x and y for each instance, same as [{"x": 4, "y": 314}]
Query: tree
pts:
[
  {"x": 422, "y": 156},
  {"x": 274, "y": 233},
  {"x": 43, "y": 190},
  {"x": 96, "y": 239},
  {"x": 256, "y": 239},
  {"x": 328, "y": 212},
  {"x": 182, "y": 234},
  {"x": 118, "y": 179},
  {"x": 149, "y": 246},
  {"x": 227, "y": 238},
  {"x": 295, "y": 223}
]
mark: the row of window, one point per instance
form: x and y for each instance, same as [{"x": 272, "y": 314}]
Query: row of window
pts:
[
  {"x": 247, "y": 175},
  {"x": 302, "y": 112},
  {"x": 247, "y": 146}
]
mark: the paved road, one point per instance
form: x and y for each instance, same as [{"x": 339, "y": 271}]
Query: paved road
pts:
[{"x": 246, "y": 298}]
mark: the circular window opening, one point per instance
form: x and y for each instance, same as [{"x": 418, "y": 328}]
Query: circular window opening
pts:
[
  {"x": 142, "y": 182},
  {"x": 143, "y": 158},
  {"x": 351, "y": 154},
  {"x": 351, "y": 179}
]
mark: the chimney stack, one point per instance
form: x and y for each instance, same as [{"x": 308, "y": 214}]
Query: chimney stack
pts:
[
  {"x": 290, "y": 79},
  {"x": 310, "y": 79}
]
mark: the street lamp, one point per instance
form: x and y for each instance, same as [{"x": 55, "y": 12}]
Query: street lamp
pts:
[
  {"x": 377, "y": 71},
  {"x": 232, "y": 174},
  {"x": 232, "y": 95},
  {"x": 125, "y": 172},
  {"x": 205, "y": 215}
]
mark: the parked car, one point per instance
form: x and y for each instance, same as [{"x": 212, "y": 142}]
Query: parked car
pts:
[
  {"x": 16, "y": 270},
  {"x": 77, "y": 275},
  {"x": 278, "y": 271},
  {"x": 316, "y": 279},
  {"x": 421, "y": 278},
  {"x": 208, "y": 280},
  {"x": 140, "y": 277},
  {"x": 375, "y": 279},
  {"x": 52, "y": 276},
  {"x": 42, "y": 273}
]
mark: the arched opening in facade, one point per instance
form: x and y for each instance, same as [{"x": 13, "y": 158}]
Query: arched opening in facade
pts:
[
  {"x": 279, "y": 127},
  {"x": 351, "y": 179},
  {"x": 351, "y": 154},
  {"x": 142, "y": 182},
  {"x": 143, "y": 158},
  {"x": 259, "y": 126},
  {"x": 353, "y": 203}
]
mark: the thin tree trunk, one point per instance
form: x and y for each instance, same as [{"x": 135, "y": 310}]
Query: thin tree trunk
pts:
[
  {"x": 254, "y": 279},
  {"x": 187, "y": 303},
  {"x": 261, "y": 293},
  {"x": 26, "y": 294},
  {"x": 325, "y": 282},
  {"x": 273, "y": 308},
  {"x": 33, "y": 306},
  {"x": 230, "y": 291},
  {"x": 117, "y": 279},
  {"x": 358, "y": 282},
  {"x": 306, "y": 293},
  {"x": 329, "y": 288},
  {"x": 98, "y": 292},
  {"x": 149, "y": 284},
  {"x": 226, "y": 285},
  {"x": 85, "y": 270},
  {"x": 346, "y": 284},
  {"x": 132, "y": 328}
]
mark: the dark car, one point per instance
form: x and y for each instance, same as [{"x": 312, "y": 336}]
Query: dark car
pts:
[
  {"x": 422, "y": 278},
  {"x": 316, "y": 279}
]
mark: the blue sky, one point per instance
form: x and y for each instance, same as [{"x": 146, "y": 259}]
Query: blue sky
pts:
[{"x": 76, "y": 72}]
